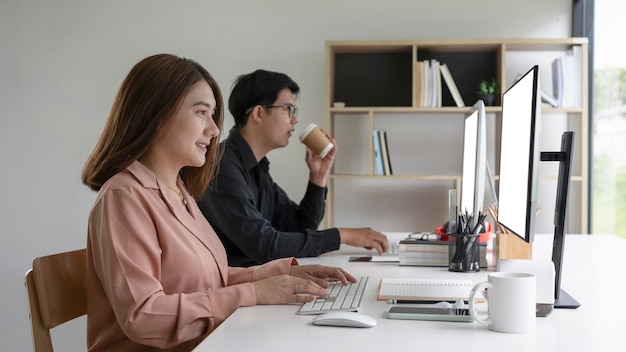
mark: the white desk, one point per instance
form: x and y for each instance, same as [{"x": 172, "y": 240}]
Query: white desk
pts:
[{"x": 594, "y": 274}]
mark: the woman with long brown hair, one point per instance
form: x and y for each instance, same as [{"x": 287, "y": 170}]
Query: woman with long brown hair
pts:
[{"x": 157, "y": 274}]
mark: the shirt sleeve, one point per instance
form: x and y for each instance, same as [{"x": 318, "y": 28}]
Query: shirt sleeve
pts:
[
  {"x": 230, "y": 208},
  {"x": 290, "y": 216}
]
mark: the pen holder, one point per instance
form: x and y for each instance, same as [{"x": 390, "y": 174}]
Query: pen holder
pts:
[{"x": 464, "y": 253}]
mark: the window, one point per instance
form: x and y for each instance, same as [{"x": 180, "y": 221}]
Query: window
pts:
[{"x": 608, "y": 122}]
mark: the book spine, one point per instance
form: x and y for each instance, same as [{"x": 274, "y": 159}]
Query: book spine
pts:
[
  {"x": 385, "y": 152},
  {"x": 569, "y": 80},
  {"x": 432, "y": 255},
  {"x": 434, "y": 78},
  {"x": 578, "y": 72},
  {"x": 454, "y": 91},
  {"x": 378, "y": 158},
  {"x": 438, "y": 83},
  {"x": 557, "y": 80},
  {"x": 427, "y": 84},
  {"x": 549, "y": 99},
  {"x": 419, "y": 84}
]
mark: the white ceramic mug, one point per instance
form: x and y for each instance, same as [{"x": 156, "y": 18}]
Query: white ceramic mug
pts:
[{"x": 511, "y": 301}]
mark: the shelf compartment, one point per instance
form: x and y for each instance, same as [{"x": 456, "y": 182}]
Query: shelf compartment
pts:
[
  {"x": 467, "y": 67},
  {"x": 375, "y": 202},
  {"x": 373, "y": 78}
]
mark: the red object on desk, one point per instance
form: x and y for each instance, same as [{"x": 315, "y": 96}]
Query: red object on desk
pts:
[{"x": 484, "y": 237}]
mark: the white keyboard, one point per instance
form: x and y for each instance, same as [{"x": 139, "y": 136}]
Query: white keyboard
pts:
[{"x": 340, "y": 298}]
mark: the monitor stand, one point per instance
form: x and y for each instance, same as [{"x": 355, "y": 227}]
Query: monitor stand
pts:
[
  {"x": 565, "y": 301},
  {"x": 561, "y": 298}
]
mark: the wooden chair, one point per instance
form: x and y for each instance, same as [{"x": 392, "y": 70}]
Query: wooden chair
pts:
[{"x": 57, "y": 293}]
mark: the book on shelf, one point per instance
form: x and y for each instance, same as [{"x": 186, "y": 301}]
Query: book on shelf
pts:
[
  {"x": 378, "y": 157},
  {"x": 577, "y": 53},
  {"x": 557, "y": 81},
  {"x": 416, "y": 252},
  {"x": 547, "y": 98},
  {"x": 382, "y": 136},
  {"x": 426, "y": 84},
  {"x": 454, "y": 91},
  {"x": 419, "y": 84},
  {"x": 567, "y": 78},
  {"x": 424, "y": 289},
  {"x": 436, "y": 84}
]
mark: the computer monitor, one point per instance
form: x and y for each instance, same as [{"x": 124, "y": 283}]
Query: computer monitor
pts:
[
  {"x": 519, "y": 156},
  {"x": 474, "y": 159},
  {"x": 519, "y": 177},
  {"x": 561, "y": 298}
]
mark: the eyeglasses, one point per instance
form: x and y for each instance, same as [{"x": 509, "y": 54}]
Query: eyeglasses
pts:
[
  {"x": 423, "y": 236},
  {"x": 291, "y": 109}
]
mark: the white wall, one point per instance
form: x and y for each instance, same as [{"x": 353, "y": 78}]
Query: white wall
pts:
[{"x": 62, "y": 61}]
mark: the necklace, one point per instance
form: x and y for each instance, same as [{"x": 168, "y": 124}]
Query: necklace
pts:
[{"x": 180, "y": 195}]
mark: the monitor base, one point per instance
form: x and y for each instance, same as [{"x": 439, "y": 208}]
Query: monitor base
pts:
[
  {"x": 543, "y": 309},
  {"x": 565, "y": 301}
]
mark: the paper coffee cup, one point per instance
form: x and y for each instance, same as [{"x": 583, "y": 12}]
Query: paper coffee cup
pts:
[{"x": 314, "y": 138}]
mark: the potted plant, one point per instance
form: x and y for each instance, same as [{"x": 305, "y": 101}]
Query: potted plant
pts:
[{"x": 487, "y": 91}]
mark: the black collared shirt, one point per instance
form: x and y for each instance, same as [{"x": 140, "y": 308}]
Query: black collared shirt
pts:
[{"x": 254, "y": 217}]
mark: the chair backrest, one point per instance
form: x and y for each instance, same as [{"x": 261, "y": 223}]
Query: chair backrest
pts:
[{"x": 57, "y": 293}]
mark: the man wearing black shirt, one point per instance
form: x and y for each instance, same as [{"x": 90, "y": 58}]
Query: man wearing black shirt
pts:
[{"x": 253, "y": 216}]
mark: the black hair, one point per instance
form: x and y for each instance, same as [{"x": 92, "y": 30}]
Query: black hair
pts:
[{"x": 260, "y": 87}]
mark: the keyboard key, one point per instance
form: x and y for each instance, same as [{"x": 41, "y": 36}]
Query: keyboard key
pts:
[{"x": 340, "y": 298}]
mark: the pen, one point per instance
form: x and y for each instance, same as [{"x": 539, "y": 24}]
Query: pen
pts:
[{"x": 475, "y": 233}]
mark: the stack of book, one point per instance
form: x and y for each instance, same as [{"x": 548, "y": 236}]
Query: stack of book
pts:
[
  {"x": 417, "y": 252},
  {"x": 428, "y": 74},
  {"x": 567, "y": 79},
  {"x": 382, "y": 163}
]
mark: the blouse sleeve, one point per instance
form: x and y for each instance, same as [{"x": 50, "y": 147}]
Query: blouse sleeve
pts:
[
  {"x": 126, "y": 253},
  {"x": 254, "y": 273}
]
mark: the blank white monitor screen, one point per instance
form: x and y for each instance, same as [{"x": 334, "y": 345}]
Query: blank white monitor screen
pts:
[
  {"x": 474, "y": 160},
  {"x": 520, "y": 156}
]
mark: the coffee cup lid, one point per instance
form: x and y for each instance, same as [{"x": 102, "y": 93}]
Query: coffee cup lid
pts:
[
  {"x": 307, "y": 130},
  {"x": 326, "y": 150}
]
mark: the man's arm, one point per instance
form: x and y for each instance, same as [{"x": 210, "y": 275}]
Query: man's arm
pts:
[
  {"x": 291, "y": 217},
  {"x": 230, "y": 208}
]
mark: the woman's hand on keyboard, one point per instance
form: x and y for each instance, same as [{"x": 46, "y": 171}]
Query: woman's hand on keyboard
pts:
[
  {"x": 321, "y": 274},
  {"x": 284, "y": 289}
]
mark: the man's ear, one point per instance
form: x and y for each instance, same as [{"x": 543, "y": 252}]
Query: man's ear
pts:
[{"x": 256, "y": 115}]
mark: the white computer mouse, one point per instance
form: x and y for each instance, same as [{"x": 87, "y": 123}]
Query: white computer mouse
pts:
[{"x": 347, "y": 319}]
